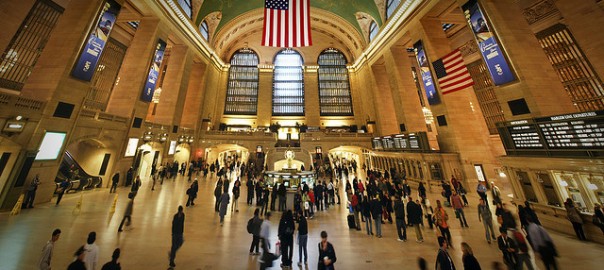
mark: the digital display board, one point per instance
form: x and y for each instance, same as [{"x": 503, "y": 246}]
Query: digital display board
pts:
[
  {"x": 51, "y": 145},
  {"x": 555, "y": 134},
  {"x": 417, "y": 141}
]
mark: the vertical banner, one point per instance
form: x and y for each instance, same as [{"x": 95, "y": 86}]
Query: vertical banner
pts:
[
  {"x": 151, "y": 81},
  {"x": 424, "y": 68},
  {"x": 492, "y": 53},
  {"x": 97, "y": 38}
]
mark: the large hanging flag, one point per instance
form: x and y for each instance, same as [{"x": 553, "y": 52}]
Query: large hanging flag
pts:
[
  {"x": 286, "y": 23},
  {"x": 452, "y": 73}
]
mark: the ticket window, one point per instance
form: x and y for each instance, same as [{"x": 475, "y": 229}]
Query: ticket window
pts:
[
  {"x": 548, "y": 188},
  {"x": 594, "y": 186},
  {"x": 527, "y": 186},
  {"x": 570, "y": 189}
]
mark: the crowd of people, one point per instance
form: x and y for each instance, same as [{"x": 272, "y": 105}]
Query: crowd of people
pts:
[{"x": 382, "y": 198}]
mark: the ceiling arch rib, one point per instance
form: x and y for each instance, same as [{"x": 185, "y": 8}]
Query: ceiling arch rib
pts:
[{"x": 328, "y": 30}]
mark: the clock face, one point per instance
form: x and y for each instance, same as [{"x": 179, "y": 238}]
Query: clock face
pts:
[{"x": 289, "y": 154}]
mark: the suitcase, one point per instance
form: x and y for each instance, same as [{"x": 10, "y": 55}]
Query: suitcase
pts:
[{"x": 351, "y": 223}]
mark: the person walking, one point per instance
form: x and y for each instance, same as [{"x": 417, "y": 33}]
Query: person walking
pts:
[
  {"x": 63, "y": 187},
  {"x": 496, "y": 193},
  {"x": 428, "y": 212},
  {"x": 250, "y": 190},
  {"x": 399, "y": 212},
  {"x": 421, "y": 190},
  {"x": 114, "y": 181},
  {"x": 327, "y": 254},
  {"x": 356, "y": 208},
  {"x": 253, "y": 227},
  {"x": 573, "y": 214},
  {"x": 481, "y": 189},
  {"x": 264, "y": 200},
  {"x": 178, "y": 228},
  {"x": 265, "y": 230},
  {"x": 508, "y": 249},
  {"x": 282, "y": 192},
  {"x": 286, "y": 236},
  {"x": 414, "y": 217},
  {"x": 129, "y": 176},
  {"x": 376, "y": 212},
  {"x": 78, "y": 263},
  {"x": 485, "y": 215},
  {"x": 46, "y": 257},
  {"x": 191, "y": 194},
  {"x": 92, "y": 252},
  {"x": 302, "y": 239},
  {"x": 443, "y": 260},
  {"x": 217, "y": 193},
  {"x": 113, "y": 264},
  {"x": 458, "y": 206},
  {"x": 522, "y": 251},
  {"x": 136, "y": 185},
  {"x": 224, "y": 205},
  {"x": 236, "y": 192},
  {"x": 128, "y": 212},
  {"x": 542, "y": 243},
  {"x": 31, "y": 192},
  {"x": 441, "y": 218},
  {"x": 469, "y": 261}
]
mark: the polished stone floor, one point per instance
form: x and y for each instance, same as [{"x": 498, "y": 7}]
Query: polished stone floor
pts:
[{"x": 209, "y": 246}]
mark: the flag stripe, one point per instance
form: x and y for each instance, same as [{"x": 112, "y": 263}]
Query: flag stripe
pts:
[
  {"x": 287, "y": 23},
  {"x": 452, "y": 73}
]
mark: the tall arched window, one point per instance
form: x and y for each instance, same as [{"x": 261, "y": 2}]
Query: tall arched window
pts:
[
  {"x": 242, "y": 87},
  {"x": 334, "y": 88},
  {"x": 373, "y": 30},
  {"x": 288, "y": 84},
  {"x": 205, "y": 31},
  {"x": 391, "y": 6}
]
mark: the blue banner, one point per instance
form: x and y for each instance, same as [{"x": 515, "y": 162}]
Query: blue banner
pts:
[
  {"x": 97, "y": 38},
  {"x": 424, "y": 68},
  {"x": 492, "y": 53},
  {"x": 151, "y": 82}
]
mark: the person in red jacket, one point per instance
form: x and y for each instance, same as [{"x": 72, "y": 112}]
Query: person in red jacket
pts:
[{"x": 311, "y": 198}]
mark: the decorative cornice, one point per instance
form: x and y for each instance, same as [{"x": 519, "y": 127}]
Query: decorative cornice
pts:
[{"x": 539, "y": 11}]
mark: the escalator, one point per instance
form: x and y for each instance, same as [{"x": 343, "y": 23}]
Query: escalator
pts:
[{"x": 79, "y": 179}]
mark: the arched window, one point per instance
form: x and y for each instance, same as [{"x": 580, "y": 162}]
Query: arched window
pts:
[
  {"x": 334, "y": 88},
  {"x": 186, "y": 6},
  {"x": 288, "y": 84},
  {"x": 373, "y": 30},
  {"x": 205, "y": 31},
  {"x": 391, "y": 6},
  {"x": 242, "y": 87}
]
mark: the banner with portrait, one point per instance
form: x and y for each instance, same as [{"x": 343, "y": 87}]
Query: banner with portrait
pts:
[
  {"x": 492, "y": 53},
  {"x": 95, "y": 43},
  {"x": 153, "y": 75},
  {"x": 425, "y": 73}
]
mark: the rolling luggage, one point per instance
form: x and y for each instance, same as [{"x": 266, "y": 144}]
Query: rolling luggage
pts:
[{"x": 351, "y": 223}]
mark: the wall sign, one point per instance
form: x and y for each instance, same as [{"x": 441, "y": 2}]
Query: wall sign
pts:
[
  {"x": 95, "y": 43},
  {"x": 151, "y": 81},
  {"x": 492, "y": 53}
]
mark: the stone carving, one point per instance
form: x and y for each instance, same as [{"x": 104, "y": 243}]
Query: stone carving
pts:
[
  {"x": 539, "y": 11},
  {"x": 468, "y": 48}
]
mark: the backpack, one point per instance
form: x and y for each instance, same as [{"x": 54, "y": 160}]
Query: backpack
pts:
[
  {"x": 521, "y": 241},
  {"x": 250, "y": 225}
]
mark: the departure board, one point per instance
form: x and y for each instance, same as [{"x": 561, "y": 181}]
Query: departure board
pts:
[
  {"x": 579, "y": 130},
  {"x": 560, "y": 135},
  {"x": 417, "y": 141}
]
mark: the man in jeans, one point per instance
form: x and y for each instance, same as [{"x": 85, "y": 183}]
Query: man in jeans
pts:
[
  {"x": 484, "y": 215},
  {"x": 178, "y": 226},
  {"x": 458, "y": 206},
  {"x": 399, "y": 211},
  {"x": 376, "y": 213}
]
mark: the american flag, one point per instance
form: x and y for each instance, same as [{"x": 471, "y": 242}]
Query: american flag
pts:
[
  {"x": 452, "y": 73},
  {"x": 286, "y": 23}
]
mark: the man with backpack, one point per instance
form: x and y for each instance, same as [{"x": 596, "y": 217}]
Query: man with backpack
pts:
[{"x": 253, "y": 228}]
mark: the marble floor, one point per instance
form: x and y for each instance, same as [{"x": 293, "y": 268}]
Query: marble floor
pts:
[{"x": 209, "y": 246}]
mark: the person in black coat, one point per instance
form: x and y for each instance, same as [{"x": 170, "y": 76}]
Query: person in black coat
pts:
[
  {"x": 414, "y": 217},
  {"x": 508, "y": 248},
  {"x": 286, "y": 236},
  {"x": 376, "y": 213},
  {"x": 366, "y": 212},
  {"x": 327, "y": 254},
  {"x": 178, "y": 227},
  {"x": 468, "y": 259},
  {"x": 113, "y": 264},
  {"x": 217, "y": 194},
  {"x": 399, "y": 212},
  {"x": 443, "y": 260},
  {"x": 250, "y": 191}
]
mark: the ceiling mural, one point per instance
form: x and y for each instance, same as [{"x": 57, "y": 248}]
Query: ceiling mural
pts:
[{"x": 345, "y": 9}]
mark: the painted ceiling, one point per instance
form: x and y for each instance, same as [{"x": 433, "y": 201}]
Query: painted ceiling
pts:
[{"x": 346, "y": 9}]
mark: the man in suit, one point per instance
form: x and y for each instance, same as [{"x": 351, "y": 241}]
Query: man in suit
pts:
[
  {"x": 509, "y": 249},
  {"x": 443, "y": 260}
]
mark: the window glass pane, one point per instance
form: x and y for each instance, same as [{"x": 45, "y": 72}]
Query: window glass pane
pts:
[
  {"x": 373, "y": 30},
  {"x": 391, "y": 6},
  {"x": 186, "y": 7},
  {"x": 288, "y": 84},
  {"x": 334, "y": 87},
  {"x": 205, "y": 32},
  {"x": 242, "y": 86}
]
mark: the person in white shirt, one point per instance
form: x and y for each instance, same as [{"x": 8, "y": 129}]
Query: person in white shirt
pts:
[
  {"x": 92, "y": 252},
  {"x": 47, "y": 250}
]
